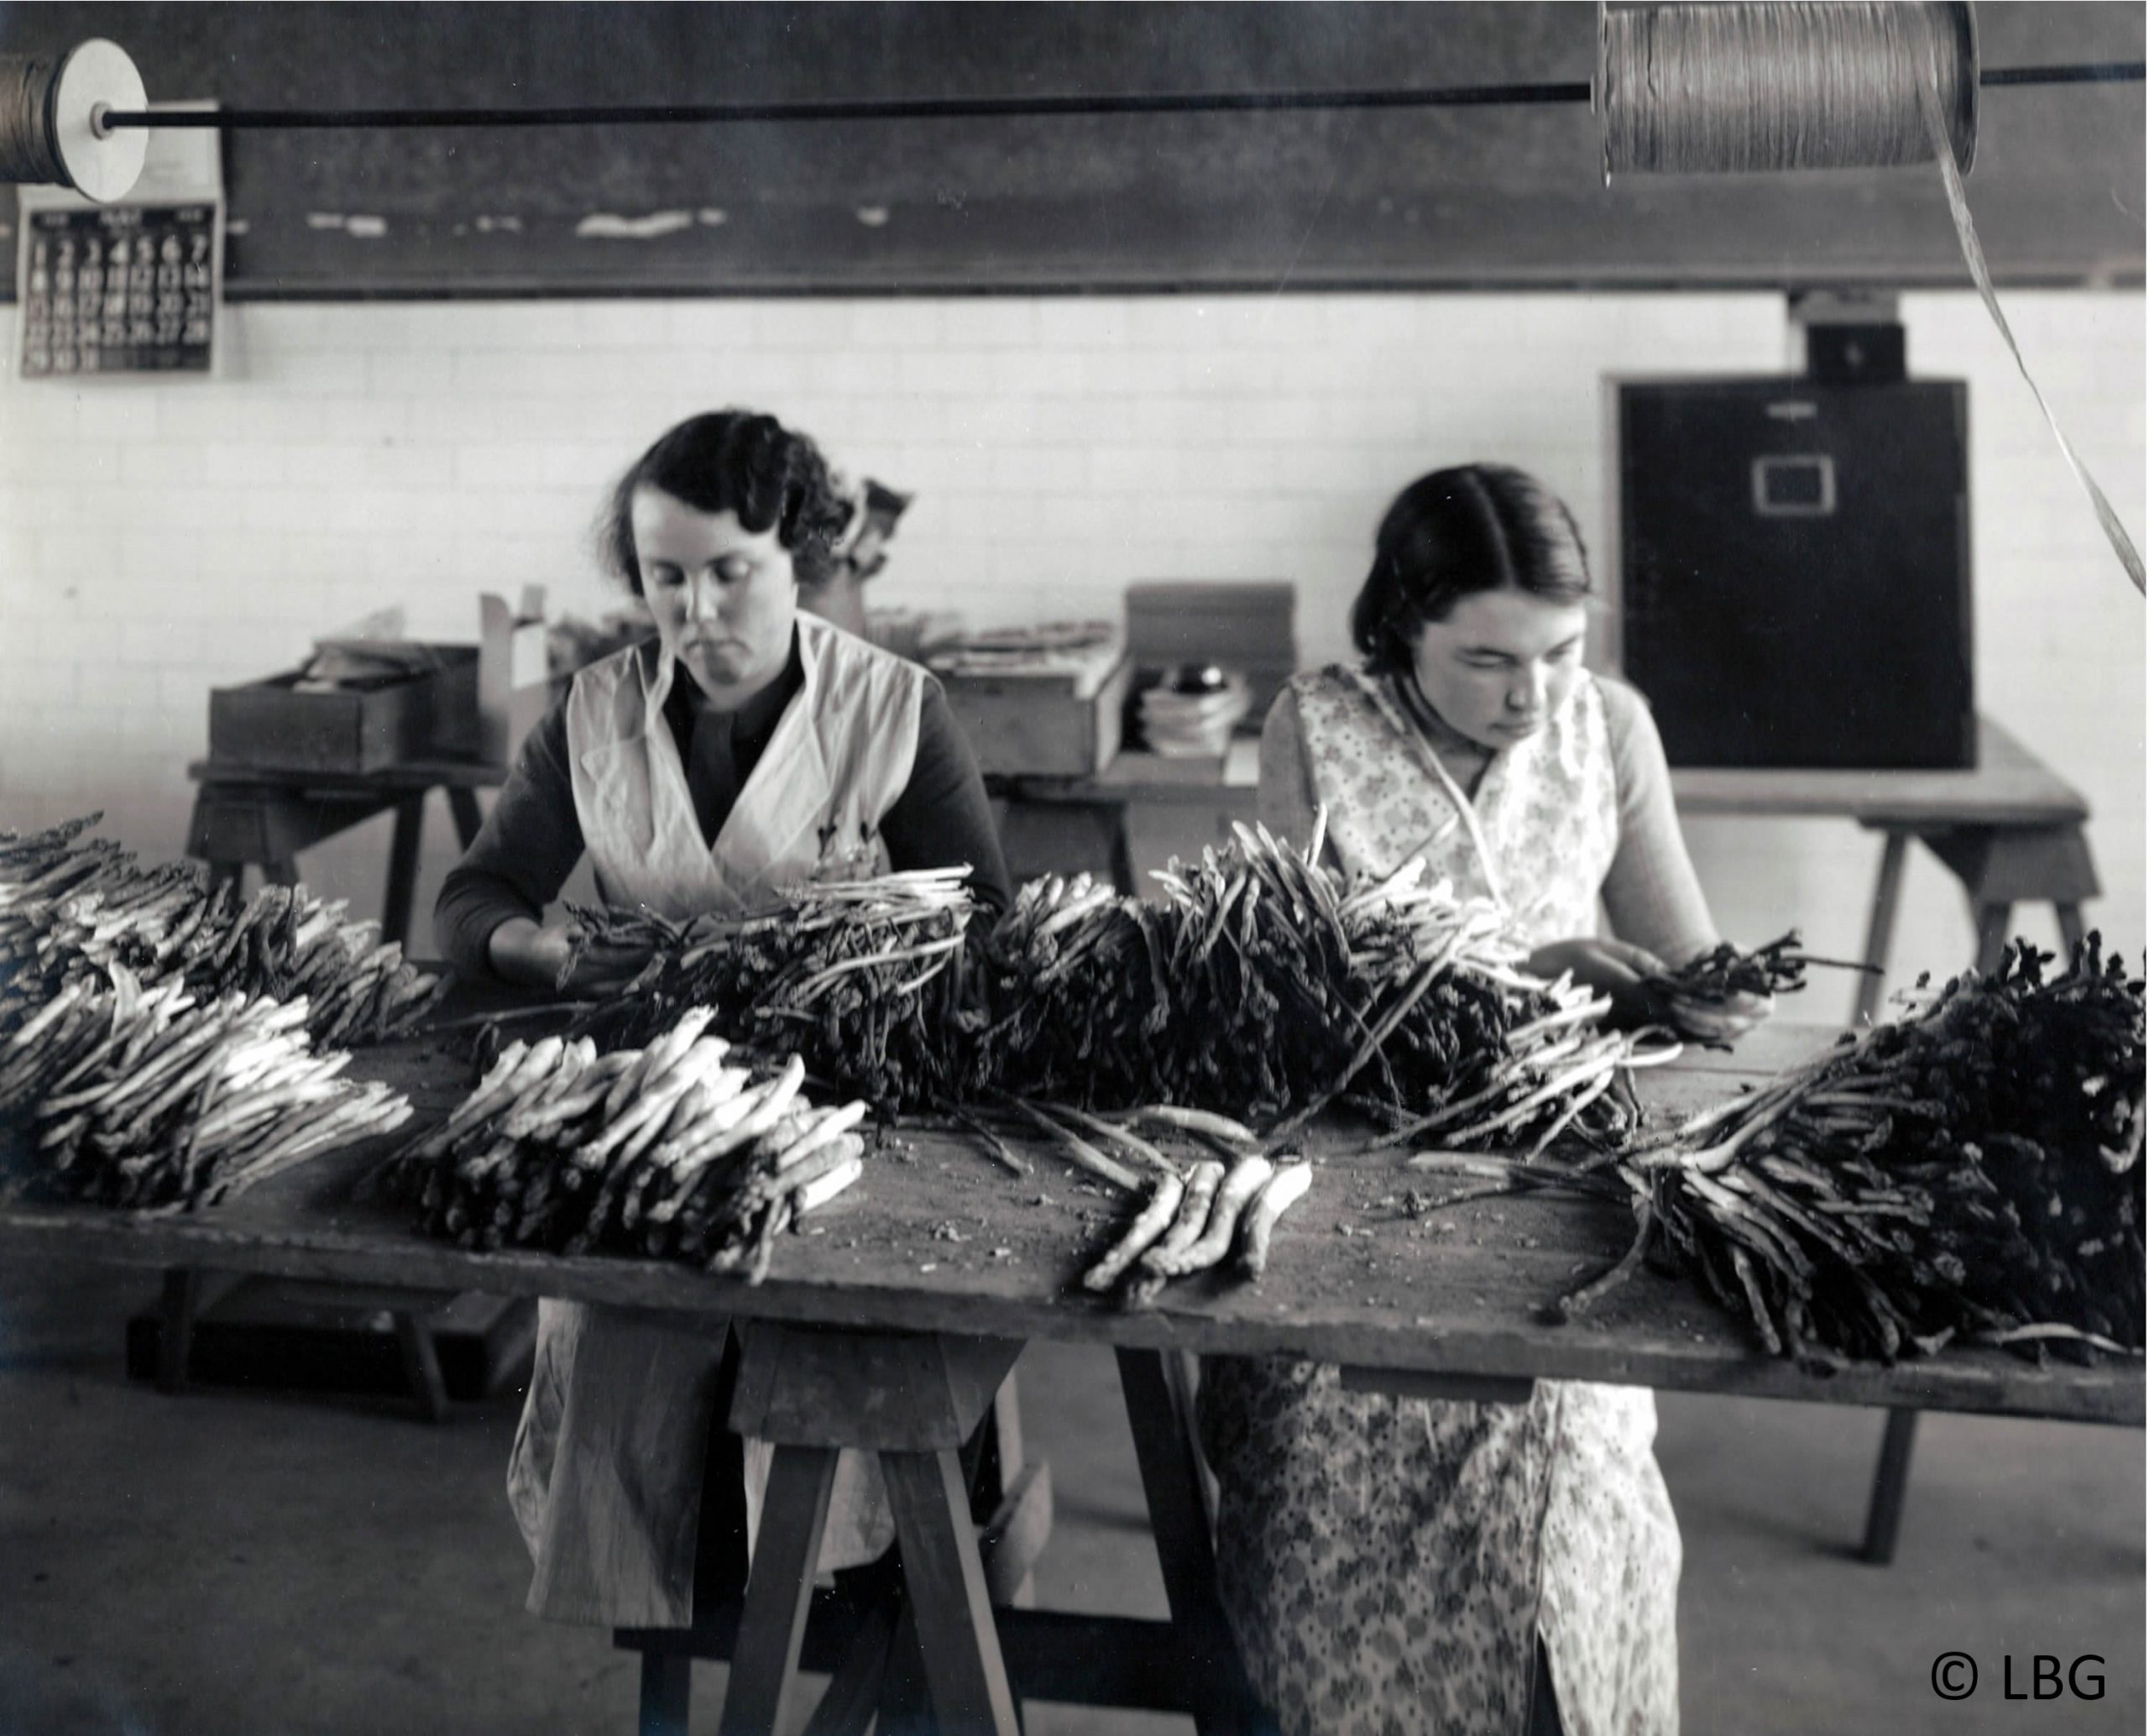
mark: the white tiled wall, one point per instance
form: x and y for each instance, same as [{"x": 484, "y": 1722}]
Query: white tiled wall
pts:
[{"x": 156, "y": 539}]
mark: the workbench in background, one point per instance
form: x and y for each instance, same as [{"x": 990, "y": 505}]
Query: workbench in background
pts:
[{"x": 2010, "y": 829}]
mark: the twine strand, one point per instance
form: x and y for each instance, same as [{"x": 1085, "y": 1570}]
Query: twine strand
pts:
[{"x": 1958, "y": 207}]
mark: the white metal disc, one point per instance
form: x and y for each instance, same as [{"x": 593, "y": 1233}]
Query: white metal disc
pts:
[{"x": 95, "y": 76}]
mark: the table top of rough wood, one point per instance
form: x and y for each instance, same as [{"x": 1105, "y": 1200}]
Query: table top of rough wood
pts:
[{"x": 938, "y": 1237}]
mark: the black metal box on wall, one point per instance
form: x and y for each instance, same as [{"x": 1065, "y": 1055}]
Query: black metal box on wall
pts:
[{"x": 1793, "y": 584}]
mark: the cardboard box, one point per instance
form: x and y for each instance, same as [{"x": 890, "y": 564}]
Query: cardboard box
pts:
[
  {"x": 274, "y": 725},
  {"x": 1057, "y": 722},
  {"x": 514, "y": 685}
]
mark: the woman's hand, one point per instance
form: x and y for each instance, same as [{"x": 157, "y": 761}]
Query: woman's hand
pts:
[
  {"x": 522, "y": 951},
  {"x": 1625, "y": 972},
  {"x": 1717, "y": 1021},
  {"x": 1610, "y": 967}
]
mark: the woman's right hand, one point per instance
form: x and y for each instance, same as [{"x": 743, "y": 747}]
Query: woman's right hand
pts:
[
  {"x": 1614, "y": 968},
  {"x": 524, "y": 951}
]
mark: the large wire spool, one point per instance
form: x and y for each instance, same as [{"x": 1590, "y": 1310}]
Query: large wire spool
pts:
[
  {"x": 52, "y": 129},
  {"x": 1748, "y": 88}
]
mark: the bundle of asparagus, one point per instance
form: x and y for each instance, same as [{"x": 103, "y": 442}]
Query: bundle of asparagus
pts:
[
  {"x": 1724, "y": 973},
  {"x": 67, "y": 907},
  {"x": 126, "y": 1095},
  {"x": 1218, "y": 1211},
  {"x": 1263, "y": 986},
  {"x": 861, "y": 978},
  {"x": 1972, "y": 1171},
  {"x": 677, "y": 1150}
]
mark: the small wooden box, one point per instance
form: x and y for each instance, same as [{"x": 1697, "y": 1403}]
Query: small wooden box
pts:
[
  {"x": 1059, "y": 723},
  {"x": 270, "y": 724}
]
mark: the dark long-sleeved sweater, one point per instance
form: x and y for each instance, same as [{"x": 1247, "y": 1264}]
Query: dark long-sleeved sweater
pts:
[{"x": 532, "y": 839}]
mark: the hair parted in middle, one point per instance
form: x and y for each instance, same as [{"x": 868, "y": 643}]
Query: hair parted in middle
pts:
[
  {"x": 1475, "y": 527},
  {"x": 742, "y": 462}
]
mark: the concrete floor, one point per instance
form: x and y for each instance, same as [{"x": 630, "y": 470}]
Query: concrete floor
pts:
[{"x": 225, "y": 1563}]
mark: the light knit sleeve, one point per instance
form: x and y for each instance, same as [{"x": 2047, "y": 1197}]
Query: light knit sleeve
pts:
[
  {"x": 1651, "y": 893},
  {"x": 1287, "y": 796}
]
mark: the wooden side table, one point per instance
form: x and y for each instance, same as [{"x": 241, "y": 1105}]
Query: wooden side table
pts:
[{"x": 245, "y": 816}]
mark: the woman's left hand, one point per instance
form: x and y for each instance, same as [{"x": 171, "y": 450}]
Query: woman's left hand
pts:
[{"x": 1716, "y": 1020}]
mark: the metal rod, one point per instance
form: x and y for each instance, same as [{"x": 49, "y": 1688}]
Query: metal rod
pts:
[
  {"x": 936, "y": 108},
  {"x": 2104, "y": 72},
  {"x": 933, "y": 108}
]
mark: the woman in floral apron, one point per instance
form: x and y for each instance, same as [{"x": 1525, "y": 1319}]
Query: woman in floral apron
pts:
[
  {"x": 746, "y": 746},
  {"x": 1392, "y": 1566}
]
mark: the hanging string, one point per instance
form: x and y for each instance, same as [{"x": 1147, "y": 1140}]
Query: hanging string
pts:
[
  {"x": 1930, "y": 106},
  {"x": 1795, "y": 84},
  {"x": 29, "y": 142}
]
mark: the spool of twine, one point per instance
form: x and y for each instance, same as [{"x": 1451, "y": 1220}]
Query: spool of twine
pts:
[
  {"x": 1785, "y": 84},
  {"x": 29, "y": 142},
  {"x": 52, "y": 131}
]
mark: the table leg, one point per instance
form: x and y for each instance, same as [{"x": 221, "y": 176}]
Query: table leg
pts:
[
  {"x": 2071, "y": 930},
  {"x": 1890, "y": 1482},
  {"x": 667, "y": 1683},
  {"x": 422, "y": 1362},
  {"x": 1880, "y": 927},
  {"x": 1993, "y": 919},
  {"x": 403, "y": 868},
  {"x": 182, "y": 1298},
  {"x": 786, "y": 1552},
  {"x": 1179, "y": 1520},
  {"x": 463, "y": 808},
  {"x": 854, "y": 1692},
  {"x": 944, "y": 1580}
]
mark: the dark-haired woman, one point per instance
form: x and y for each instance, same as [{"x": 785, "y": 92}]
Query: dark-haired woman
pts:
[
  {"x": 746, "y": 746},
  {"x": 1392, "y": 1564}
]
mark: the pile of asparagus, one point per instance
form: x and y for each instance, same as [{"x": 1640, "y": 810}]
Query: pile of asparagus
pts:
[
  {"x": 861, "y": 978},
  {"x": 1973, "y": 1172},
  {"x": 1219, "y": 1213},
  {"x": 70, "y": 907},
  {"x": 681, "y": 1150},
  {"x": 1264, "y": 986},
  {"x": 129, "y": 1096}
]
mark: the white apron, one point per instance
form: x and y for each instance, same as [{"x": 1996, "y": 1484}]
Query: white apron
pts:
[
  {"x": 606, "y": 1475},
  {"x": 1388, "y": 1563}
]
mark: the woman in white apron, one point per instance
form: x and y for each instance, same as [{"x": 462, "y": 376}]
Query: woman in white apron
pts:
[
  {"x": 1392, "y": 1565},
  {"x": 746, "y": 746}
]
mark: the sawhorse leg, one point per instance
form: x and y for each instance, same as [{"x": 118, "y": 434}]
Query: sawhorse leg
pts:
[
  {"x": 403, "y": 868},
  {"x": 794, "y": 1513},
  {"x": 463, "y": 808},
  {"x": 1884, "y": 1519},
  {"x": 422, "y": 1362},
  {"x": 182, "y": 1300},
  {"x": 914, "y": 1399},
  {"x": 1179, "y": 1518},
  {"x": 1880, "y": 927}
]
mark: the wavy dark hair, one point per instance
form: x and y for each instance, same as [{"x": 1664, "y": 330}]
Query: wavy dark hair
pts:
[
  {"x": 735, "y": 461},
  {"x": 1476, "y": 527}
]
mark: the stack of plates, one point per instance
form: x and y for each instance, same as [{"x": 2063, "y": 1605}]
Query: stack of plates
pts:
[{"x": 1192, "y": 726}]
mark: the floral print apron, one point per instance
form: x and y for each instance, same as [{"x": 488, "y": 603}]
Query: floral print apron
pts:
[
  {"x": 606, "y": 1475},
  {"x": 1388, "y": 1564}
]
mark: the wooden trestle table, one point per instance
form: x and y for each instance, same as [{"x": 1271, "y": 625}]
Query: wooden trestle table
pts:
[{"x": 890, "y": 1324}]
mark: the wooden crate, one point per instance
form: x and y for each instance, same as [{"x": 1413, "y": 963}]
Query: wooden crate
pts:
[
  {"x": 269, "y": 724},
  {"x": 1060, "y": 724}
]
